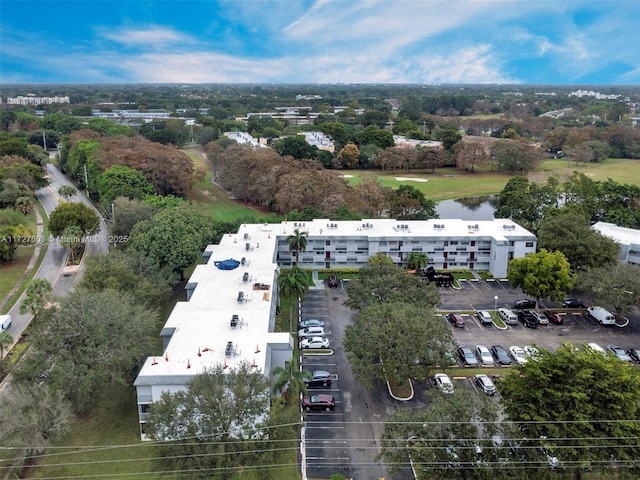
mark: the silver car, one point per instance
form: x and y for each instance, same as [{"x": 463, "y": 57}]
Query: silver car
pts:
[{"x": 485, "y": 383}]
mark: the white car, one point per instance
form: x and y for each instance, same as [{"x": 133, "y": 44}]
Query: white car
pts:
[
  {"x": 443, "y": 382},
  {"x": 484, "y": 355},
  {"x": 542, "y": 318},
  {"x": 596, "y": 348},
  {"x": 311, "y": 332},
  {"x": 532, "y": 352},
  {"x": 314, "y": 342},
  {"x": 518, "y": 354}
]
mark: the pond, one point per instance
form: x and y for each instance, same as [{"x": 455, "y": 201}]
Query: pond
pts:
[{"x": 469, "y": 208}]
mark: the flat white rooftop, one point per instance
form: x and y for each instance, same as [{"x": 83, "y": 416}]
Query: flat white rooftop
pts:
[
  {"x": 202, "y": 327},
  {"x": 626, "y": 236}
]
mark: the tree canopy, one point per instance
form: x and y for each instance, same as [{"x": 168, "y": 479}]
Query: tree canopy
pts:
[
  {"x": 174, "y": 237},
  {"x": 215, "y": 423},
  {"x": 542, "y": 275},
  {"x": 96, "y": 338},
  {"x": 586, "y": 403},
  {"x": 73, "y": 214},
  {"x": 616, "y": 285},
  {"x": 568, "y": 231}
]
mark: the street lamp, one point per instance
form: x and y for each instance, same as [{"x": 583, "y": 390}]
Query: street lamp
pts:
[{"x": 495, "y": 303}]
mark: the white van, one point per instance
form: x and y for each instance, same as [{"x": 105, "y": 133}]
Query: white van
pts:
[
  {"x": 5, "y": 322},
  {"x": 601, "y": 315},
  {"x": 507, "y": 316}
]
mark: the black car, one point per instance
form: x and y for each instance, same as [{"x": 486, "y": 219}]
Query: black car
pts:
[
  {"x": 524, "y": 304},
  {"x": 528, "y": 319},
  {"x": 333, "y": 281},
  {"x": 319, "y": 378},
  {"x": 501, "y": 355},
  {"x": 574, "y": 303},
  {"x": 634, "y": 353}
]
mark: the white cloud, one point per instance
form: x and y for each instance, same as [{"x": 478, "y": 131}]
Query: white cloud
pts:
[{"x": 149, "y": 36}]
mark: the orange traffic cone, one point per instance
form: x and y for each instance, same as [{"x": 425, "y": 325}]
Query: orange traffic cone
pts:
[
  {"x": 254, "y": 365},
  {"x": 257, "y": 348},
  {"x": 166, "y": 357},
  {"x": 225, "y": 364},
  {"x": 199, "y": 354},
  {"x": 188, "y": 363},
  {"x": 153, "y": 362}
]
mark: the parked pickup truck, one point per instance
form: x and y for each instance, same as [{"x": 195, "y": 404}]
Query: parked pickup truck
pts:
[
  {"x": 601, "y": 315},
  {"x": 442, "y": 279},
  {"x": 528, "y": 319}
]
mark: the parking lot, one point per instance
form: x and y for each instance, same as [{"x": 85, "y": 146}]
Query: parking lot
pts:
[{"x": 345, "y": 441}]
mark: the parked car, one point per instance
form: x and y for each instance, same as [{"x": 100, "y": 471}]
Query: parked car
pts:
[
  {"x": 443, "y": 382},
  {"x": 320, "y": 401},
  {"x": 333, "y": 281},
  {"x": 484, "y": 355},
  {"x": 541, "y": 317},
  {"x": 619, "y": 352},
  {"x": 634, "y": 353},
  {"x": 310, "y": 322},
  {"x": 485, "y": 383},
  {"x": 596, "y": 348},
  {"x": 507, "y": 316},
  {"x": 314, "y": 342},
  {"x": 553, "y": 317},
  {"x": 574, "y": 303},
  {"x": 319, "y": 378},
  {"x": 311, "y": 332},
  {"x": 527, "y": 318},
  {"x": 484, "y": 317},
  {"x": 524, "y": 304},
  {"x": 518, "y": 354},
  {"x": 456, "y": 320},
  {"x": 467, "y": 357},
  {"x": 501, "y": 355},
  {"x": 532, "y": 352}
]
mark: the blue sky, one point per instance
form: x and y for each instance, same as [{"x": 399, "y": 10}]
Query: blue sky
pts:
[{"x": 321, "y": 41}]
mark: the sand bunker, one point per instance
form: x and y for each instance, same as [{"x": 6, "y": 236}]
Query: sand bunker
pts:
[
  {"x": 346, "y": 176},
  {"x": 409, "y": 179}
]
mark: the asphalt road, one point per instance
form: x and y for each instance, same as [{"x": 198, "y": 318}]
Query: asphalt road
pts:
[{"x": 54, "y": 261}]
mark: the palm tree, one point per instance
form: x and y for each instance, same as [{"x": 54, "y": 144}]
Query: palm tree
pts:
[
  {"x": 297, "y": 242},
  {"x": 37, "y": 296},
  {"x": 416, "y": 260},
  {"x": 292, "y": 285},
  {"x": 67, "y": 191},
  {"x": 6, "y": 341},
  {"x": 291, "y": 378}
]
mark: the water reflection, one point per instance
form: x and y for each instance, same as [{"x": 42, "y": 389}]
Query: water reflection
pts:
[{"x": 481, "y": 207}]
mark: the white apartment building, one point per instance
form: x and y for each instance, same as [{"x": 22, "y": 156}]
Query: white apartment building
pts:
[
  {"x": 229, "y": 315},
  {"x": 628, "y": 239},
  {"x": 33, "y": 100}
]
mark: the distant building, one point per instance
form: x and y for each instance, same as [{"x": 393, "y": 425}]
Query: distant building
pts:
[
  {"x": 401, "y": 141},
  {"x": 320, "y": 140},
  {"x": 244, "y": 138},
  {"x": 33, "y": 100},
  {"x": 628, "y": 240}
]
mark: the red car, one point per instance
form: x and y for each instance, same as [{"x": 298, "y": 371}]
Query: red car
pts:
[
  {"x": 456, "y": 320},
  {"x": 320, "y": 401},
  {"x": 553, "y": 317}
]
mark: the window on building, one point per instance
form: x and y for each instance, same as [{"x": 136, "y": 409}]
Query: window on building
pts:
[{"x": 529, "y": 244}]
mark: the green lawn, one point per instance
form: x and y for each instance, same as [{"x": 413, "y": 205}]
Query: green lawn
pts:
[
  {"x": 213, "y": 200},
  {"x": 450, "y": 183}
]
